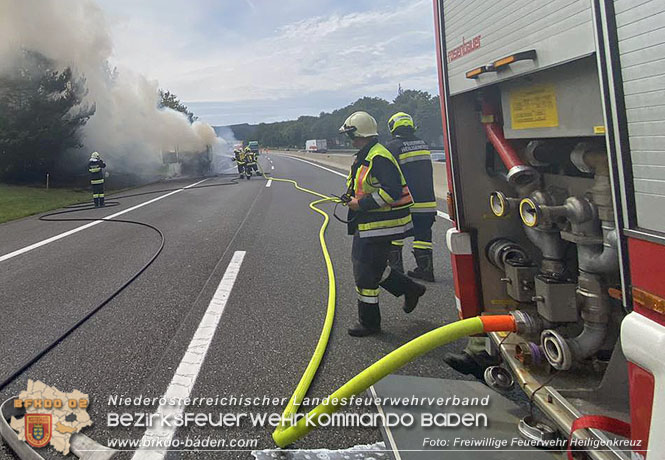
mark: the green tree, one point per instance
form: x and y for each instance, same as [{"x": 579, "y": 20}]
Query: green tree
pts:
[
  {"x": 171, "y": 101},
  {"x": 41, "y": 114},
  {"x": 420, "y": 104},
  {"x": 425, "y": 110}
]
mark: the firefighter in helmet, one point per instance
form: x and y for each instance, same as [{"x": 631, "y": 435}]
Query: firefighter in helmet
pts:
[
  {"x": 96, "y": 169},
  {"x": 251, "y": 162},
  {"x": 415, "y": 160},
  {"x": 240, "y": 159},
  {"x": 378, "y": 201}
]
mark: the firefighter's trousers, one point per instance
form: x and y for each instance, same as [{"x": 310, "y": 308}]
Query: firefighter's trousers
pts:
[
  {"x": 370, "y": 271},
  {"x": 98, "y": 193},
  {"x": 422, "y": 231}
]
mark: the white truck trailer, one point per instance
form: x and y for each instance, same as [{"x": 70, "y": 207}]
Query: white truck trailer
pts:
[{"x": 316, "y": 145}]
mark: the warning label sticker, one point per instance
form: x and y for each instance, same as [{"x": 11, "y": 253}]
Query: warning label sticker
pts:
[{"x": 534, "y": 108}]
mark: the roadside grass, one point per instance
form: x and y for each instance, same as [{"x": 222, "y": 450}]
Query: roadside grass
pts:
[{"x": 20, "y": 201}]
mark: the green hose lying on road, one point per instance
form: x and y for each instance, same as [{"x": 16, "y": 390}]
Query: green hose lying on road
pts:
[{"x": 287, "y": 433}]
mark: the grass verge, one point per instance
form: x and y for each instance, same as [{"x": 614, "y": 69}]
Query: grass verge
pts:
[{"x": 20, "y": 201}]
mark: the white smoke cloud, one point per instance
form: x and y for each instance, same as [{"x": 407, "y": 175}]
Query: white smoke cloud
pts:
[{"x": 127, "y": 128}]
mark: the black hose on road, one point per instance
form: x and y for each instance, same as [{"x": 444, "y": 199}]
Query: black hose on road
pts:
[{"x": 50, "y": 217}]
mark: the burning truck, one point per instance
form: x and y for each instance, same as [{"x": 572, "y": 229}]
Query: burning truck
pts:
[{"x": 187, "y": 163}]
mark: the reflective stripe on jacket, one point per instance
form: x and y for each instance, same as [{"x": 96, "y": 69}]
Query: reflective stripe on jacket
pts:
[
  {"x": 384, "y": 199},
  {"x": 415, "y": 160}
]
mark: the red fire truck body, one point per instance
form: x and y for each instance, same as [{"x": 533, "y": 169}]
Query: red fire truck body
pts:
[{"x": 554, "y": 123}]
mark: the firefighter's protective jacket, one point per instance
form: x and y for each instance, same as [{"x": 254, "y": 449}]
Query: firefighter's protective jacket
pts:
[
  {"x": 384, "y": 199},
  {"x": 240, "y": 157},
  {"x": 415, "y": 160},
  {"x": 95, "y": 169}
]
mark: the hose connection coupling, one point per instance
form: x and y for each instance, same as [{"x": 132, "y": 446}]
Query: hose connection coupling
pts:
[
  {"x": 530, "y": 212},
  {"x": 575, "y": 210},
  {"x": 530, "y": 354},
  {"x": 556, "y": 349},
  {"x": 526, "y": 324},
  {"x": 502, "y": 205}
]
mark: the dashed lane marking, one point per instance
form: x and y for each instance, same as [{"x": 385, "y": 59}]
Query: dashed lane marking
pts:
[{"x": 185, "y": 376}]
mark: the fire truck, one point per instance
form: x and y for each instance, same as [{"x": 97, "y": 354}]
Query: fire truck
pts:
[{"x": 554, "y": 122}]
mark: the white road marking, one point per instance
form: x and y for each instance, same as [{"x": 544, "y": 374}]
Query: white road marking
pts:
[
  {"x": 272, "y": 167},
  {"x": 18, "y": 252},
  {"x": 185, "y": 376},
  {"x": 269, "y": 183},
  {"x": 318, "y": 166},
  {"x": 389, "y": 434},
  {"x": 438, "y": 213}
]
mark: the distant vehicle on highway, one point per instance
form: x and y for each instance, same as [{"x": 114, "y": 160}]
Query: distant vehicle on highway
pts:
[
  {"x": 316, "y": 145},
  {"x": 438, "y": 156},
  {"x": 253, "y": 146}
]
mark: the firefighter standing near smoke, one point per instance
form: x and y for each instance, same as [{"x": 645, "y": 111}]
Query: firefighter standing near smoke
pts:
[
  {"x": 96, "y": 169},
  {"x": 415, "y": 160},
  {"x": 240, "y": 159},
  {"x": 378, "y": 201},
  {"x": 251, "y": 162}
]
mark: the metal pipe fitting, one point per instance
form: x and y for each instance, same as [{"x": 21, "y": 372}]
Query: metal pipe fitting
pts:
[
  {"x": 561, "y": 353},
  {"x": 595, "y": 312},
  {"x": 530, "y": 354},
  {"x": 501, "y": 250},
  {"x": 556, "y": 350},
  {"x": 574, "y": 209},
  {"x": 600, "y": 259},
  {"x": 553, "y": 249},
  {"x": 502, "y": 205},
  {"x": 519, "y": 173},
  {"x": 526, "y": 324}
]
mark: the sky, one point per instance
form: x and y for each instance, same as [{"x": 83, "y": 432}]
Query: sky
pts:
[{"x": 250, "y": 61}]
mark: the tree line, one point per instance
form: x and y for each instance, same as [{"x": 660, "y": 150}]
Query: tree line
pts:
[
  {"x": 41, "y": 114},
  {"x": 42, "y": 111},
  {"x": 421, "y": 105}
]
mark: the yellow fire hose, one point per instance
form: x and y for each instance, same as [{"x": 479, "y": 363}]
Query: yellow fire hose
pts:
[{"x": 289, "y": 432}]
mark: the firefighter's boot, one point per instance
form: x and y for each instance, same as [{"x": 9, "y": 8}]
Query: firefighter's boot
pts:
[
  {"x": 399, "y": 284},
  {"x": 101, "y": 202},
  {"x": 369, "y": 320},
  {"x": 96, "y": 200},
  {"x": 425, "y": 262},
  {"x": 470, "y": 364},
  {"x": 395, "y": 258},
  {"x": 473, "y": 360}
]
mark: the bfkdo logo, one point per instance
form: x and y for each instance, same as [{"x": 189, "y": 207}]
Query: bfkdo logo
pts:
[
  {"x": 38, "y": 429},
  {"x": 50, "y": 416}
]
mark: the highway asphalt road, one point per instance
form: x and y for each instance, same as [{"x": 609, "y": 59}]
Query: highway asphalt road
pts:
[{"x": 260, "y": 241}]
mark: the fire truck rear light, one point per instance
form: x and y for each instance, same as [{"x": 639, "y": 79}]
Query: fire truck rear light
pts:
[
  {"x": 475, "y": 73},
  {"x": 648, "y": 300},
  {"x": 529, "y": 55}
]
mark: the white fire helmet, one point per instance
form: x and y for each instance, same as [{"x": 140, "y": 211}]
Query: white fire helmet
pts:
[{"x": 359, "y": 124}]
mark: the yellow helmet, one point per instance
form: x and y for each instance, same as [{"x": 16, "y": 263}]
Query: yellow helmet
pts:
[
  {"x": 400, "y": 119},
  {"x": 359, "y": 124},
  {"x": 94, "y": 156}
]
